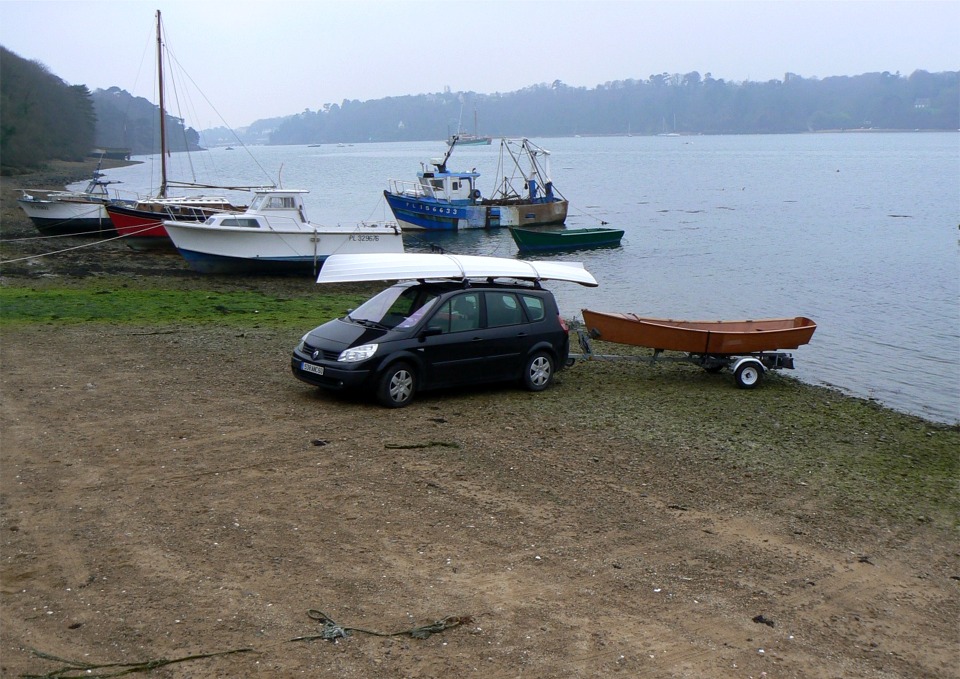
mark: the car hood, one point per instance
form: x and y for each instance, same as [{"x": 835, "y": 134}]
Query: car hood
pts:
[{"x": 338, "y": 334}]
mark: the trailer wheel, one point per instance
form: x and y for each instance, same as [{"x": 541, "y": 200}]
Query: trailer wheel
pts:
[{"x": 748, "y": 374}]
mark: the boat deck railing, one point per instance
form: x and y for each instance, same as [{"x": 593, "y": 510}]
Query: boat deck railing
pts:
[{"x": 406, "y": 187}]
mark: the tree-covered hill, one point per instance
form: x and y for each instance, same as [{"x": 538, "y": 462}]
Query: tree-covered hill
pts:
[
  {"x": 43, "y": 118},
  {"x": 126, "y": 121},
  {"x": 687, "y": 104}
]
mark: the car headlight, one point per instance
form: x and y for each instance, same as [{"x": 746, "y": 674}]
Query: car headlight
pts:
[
  {"x": 302, "y": 341},
  {"x": 361, "y": 353}
]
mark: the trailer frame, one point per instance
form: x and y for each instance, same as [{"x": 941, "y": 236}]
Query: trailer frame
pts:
[{"x": 748, "y": 369}]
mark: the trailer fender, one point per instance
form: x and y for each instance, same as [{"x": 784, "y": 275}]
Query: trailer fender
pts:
[{"x": 748, "y": 372}]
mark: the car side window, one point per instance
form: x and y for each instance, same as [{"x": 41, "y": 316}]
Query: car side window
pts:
[
  {"x": 503, "y": 308},
  {"x": 458, "y": 314},
  {"x": 534, "y": 306}
]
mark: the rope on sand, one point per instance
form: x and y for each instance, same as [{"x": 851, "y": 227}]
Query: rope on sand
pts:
[
  {"x": 75, "y": 669},
  {"x": 331, "y": 631}
]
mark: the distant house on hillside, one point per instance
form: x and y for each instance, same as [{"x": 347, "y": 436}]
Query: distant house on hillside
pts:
[{"x": 110, "y": 152}]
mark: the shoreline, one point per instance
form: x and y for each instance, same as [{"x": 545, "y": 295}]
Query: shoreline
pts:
[
  {"x": 104, "y": 258},
  {"x": 169, "y": 489}
]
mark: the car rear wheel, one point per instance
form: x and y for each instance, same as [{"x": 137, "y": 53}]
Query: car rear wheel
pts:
[
  {"x": 538, "y": 372},
  {"x": 397, "y": 386}
]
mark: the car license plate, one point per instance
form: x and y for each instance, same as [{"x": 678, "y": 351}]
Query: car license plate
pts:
[{"x": 311, "y": 368}]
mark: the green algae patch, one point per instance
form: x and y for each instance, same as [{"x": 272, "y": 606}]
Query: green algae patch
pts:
[{"x": 138, "y": 306}]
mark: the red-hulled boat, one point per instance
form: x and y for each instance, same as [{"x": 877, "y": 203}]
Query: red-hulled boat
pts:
[{"x": 141, "y": 224}]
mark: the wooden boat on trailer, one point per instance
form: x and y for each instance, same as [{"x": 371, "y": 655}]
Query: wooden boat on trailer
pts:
[{"x": 747, "y": 347}]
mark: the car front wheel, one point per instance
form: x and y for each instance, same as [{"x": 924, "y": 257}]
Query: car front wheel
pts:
[
  {"x": 396, "y": 386},
  {"x": 538, "y": 372}
]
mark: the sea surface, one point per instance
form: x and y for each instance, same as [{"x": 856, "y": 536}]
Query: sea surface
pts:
[{"x": 858, "y": 231}]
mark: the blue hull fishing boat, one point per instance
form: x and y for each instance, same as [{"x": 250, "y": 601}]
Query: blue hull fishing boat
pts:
[{"x": 445, "y": 200}]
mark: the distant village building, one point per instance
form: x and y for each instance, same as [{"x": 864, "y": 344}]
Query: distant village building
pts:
[{"x": 110, "y": 152}]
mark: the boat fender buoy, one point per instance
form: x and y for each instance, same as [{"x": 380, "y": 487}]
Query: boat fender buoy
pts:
[{"x": 476, "y": 194}]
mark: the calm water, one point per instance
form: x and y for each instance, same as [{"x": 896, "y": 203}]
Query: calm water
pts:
[{"x": 857, "y": 231}]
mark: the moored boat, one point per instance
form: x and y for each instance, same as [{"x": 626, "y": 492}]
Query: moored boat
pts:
[
  {"x": 447, "y": 200},
  {"x": 469, "y": 140},
  {"x": 700, "y": 337},
  {"x": 71, "y": 213},
  {"x": 462, "y": 138},
  {"x": 274, "y": 236},
  {"x": 141, "y": 224},
  {"x": 536, "y": 240}
]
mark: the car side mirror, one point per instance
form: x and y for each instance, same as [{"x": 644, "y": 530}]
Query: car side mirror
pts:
[{"x": 430, "y": 331}]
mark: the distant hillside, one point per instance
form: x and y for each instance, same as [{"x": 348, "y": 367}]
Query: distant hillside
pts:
[
  {"x": 686, "y": 104},
  {"x": 125, "y": 121},
  {"x": 42, "y": 117}
]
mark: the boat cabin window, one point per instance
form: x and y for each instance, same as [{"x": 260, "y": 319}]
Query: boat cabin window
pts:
[
  {"x": 274, "y": 203},
  {"x": 280, "y": 203},
  {"x": 241, "y": 221}
]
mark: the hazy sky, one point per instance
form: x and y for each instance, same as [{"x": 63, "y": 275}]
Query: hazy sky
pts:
[{"x": 261, "y": 59}]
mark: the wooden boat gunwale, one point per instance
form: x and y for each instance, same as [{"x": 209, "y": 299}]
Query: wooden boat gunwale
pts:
[{"x": 720, "y": 338}]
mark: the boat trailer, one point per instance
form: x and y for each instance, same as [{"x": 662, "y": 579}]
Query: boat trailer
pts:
[{"x": 748, "y": 369}]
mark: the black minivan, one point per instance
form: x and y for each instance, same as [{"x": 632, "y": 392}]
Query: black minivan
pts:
[{"x": 421, "y": 335}]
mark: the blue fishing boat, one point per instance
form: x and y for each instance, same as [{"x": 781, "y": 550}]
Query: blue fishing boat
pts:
[{"x": 446, "y": 200}]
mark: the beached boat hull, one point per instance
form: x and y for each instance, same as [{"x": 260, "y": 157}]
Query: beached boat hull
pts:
[
  {"x": 231, "y": 250},
  {"x": 700, "y": 337},
  {"x": 68, "y": 217},
  {"x": 528, "y": 240},
  {"x": 142, "y": 229},
  {"x": 434, "y": 215}
]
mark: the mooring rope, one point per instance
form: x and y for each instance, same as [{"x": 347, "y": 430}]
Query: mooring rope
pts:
[
  {"x": 76, "y": 669},
  {"x": 331, "y": 631},
  {"x": 75, "y": 247}
]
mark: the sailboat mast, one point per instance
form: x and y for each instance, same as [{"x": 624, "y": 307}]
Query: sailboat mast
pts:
[{"x": 163, "y": 114}]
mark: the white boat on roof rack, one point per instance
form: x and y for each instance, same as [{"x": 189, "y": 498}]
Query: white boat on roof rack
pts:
[{"x": 348, "y": 268}]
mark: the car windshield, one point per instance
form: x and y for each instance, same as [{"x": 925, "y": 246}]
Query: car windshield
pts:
[{"x": 398, "y": 306}]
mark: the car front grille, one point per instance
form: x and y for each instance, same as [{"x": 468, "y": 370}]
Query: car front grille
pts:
[{"x": 325, "y": 355}]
